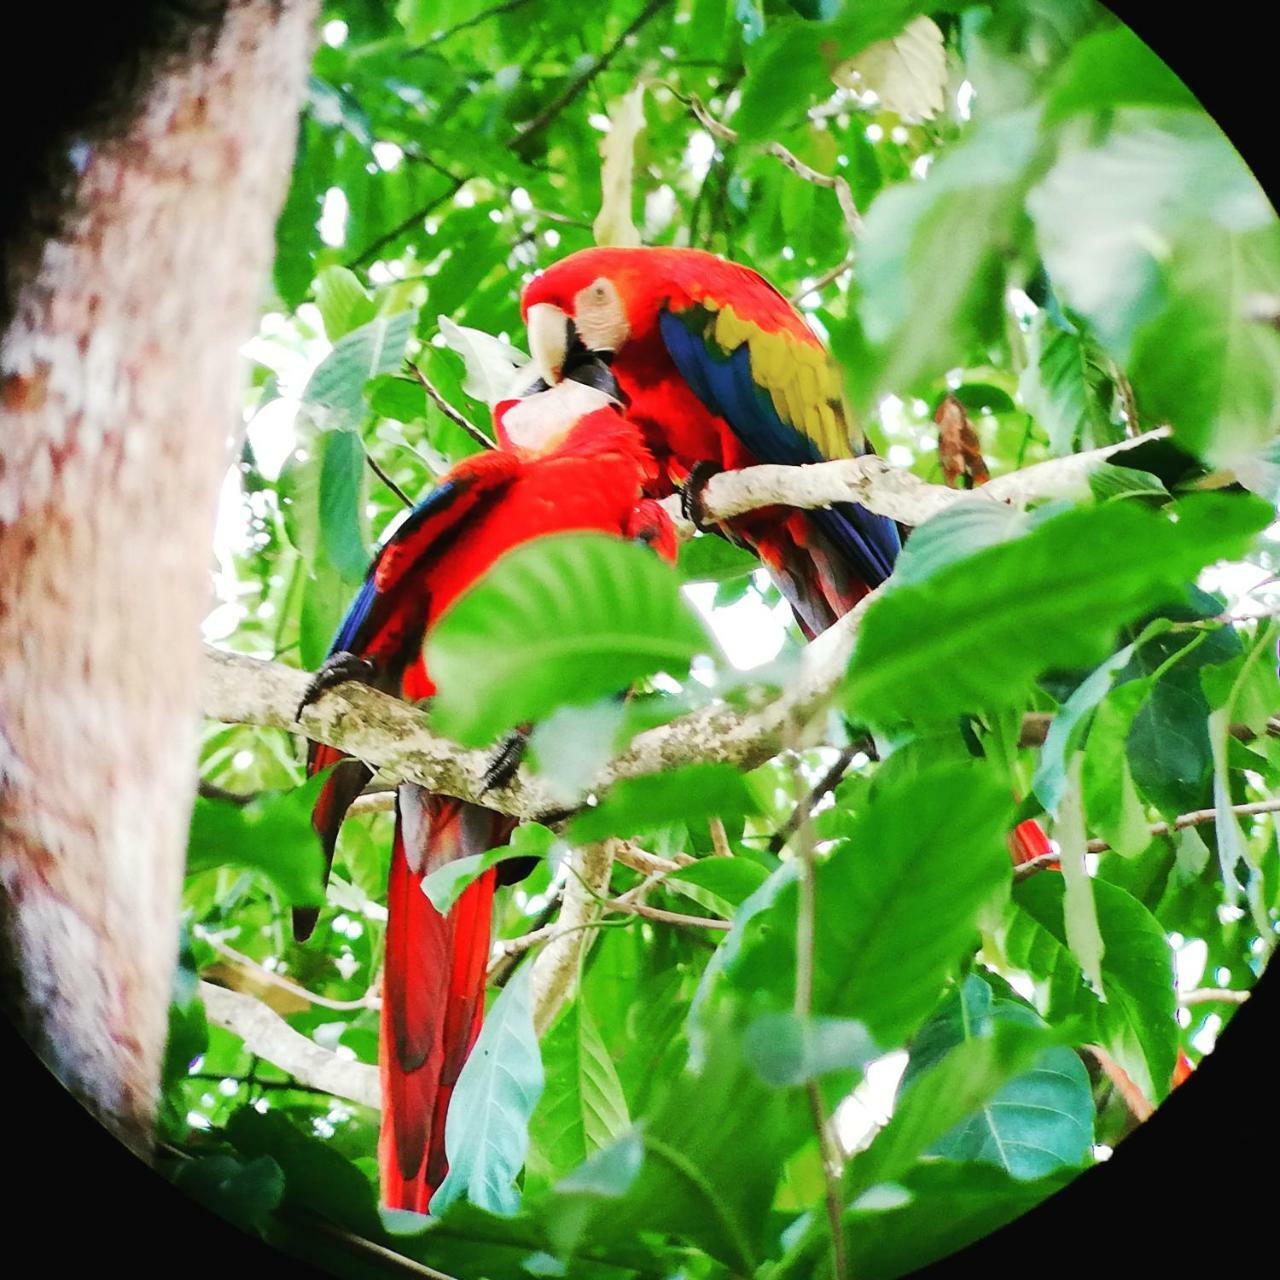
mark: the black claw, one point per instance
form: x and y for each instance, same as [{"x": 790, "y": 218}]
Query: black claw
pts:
[
  {"x": 691, "y": 494},
  {"x": 338, "y": 669},
  {"x": 502, "y": 768}
]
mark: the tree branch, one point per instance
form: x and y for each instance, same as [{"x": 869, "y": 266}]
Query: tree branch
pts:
[
  {"x": 458, "y": 419},
  {"x": 269, "y": 1036},
  {"x": 891, "y": 491}
]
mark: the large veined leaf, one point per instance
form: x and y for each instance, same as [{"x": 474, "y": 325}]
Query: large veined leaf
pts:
[
  {"x": 582, "y": 1109},
  {"x": 937, "y": 1209},
  {"x": 1206, "y": 363},
  {"x": 684, "y": 795},
  {"x": 954, "y": 533},
  {"x": 1103, "y": 210},
  {"x": 565, "y": 619},
  {"x": 491, "y": 363},
  {"x": 334, "y": 394},
  {"x": 487, "y": 1128},
  {"x": 961, "y": 1082},
  {"x": 1137, "y": 1023},
  {"x": 1067, "y": 389},
  {"x": 446, "y": 884},
  {"x": 930, "y": 264},
  {"x": 343, "y": 302},
  {"x": 897, "y": 903},
  {"x": 1113, "y": 68},
  {"x": 685, "y": 1186},
  {"x": 1050, "y": 600},
  {"x": 271, "y": 833},
  {"x": 1040, "y": 1121}
]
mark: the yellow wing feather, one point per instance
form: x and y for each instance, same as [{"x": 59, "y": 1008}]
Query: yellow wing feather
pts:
[{"x": 802, "y": 381}]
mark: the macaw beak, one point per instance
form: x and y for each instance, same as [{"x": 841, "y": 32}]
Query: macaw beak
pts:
[{"x": 551, "y": 336}]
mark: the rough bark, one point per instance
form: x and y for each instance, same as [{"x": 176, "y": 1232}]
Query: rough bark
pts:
[{"x": 119, "y": 379}]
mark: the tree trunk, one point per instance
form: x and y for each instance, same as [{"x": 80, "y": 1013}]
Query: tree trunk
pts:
[{"x": 119, "y": 388}]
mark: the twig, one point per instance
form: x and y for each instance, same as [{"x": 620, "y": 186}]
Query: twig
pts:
[
  {"x": 535, "y": 126},
  {"x": 458, "y": 419},
  {"x": 483, "y": 16},
  {"x": 387, "y": 480},
  {"x": 804, "y": 810},
  {"x": 269, "y": 1036},
  {"x": 1133, "y": 1097},
  {"x": 1213, "y": 995},
  {"x": 719, "y": 838},
  {"x": 413, "y": 220},
  {"x": 267, "y": 978},
  {"x": 826, "y": 278},
  {"x": 667, "y": 917},
  {"x": 1195, "y": 818},
  {"x": 832, "y": 182},
  {"x": 1025, "y": 869}
]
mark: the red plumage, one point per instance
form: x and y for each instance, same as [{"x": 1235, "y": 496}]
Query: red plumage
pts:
[{"x": 586, "y": 474}]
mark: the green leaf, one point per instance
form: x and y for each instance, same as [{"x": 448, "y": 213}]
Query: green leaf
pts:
[
  {"x": 1108, "y": 482},
  {"x": 1067, "y": 389},
  {"x": 491, "y": 363},
  {"x": 334, "y": 394},
  {"x": 710, "y": 559},
  {"x": 487, "y": 1128},
  {"x": 1136, "y": 1024},
  {"x": 932, "y": 257},
  {"x": 1080, "y": 916},
  {"x": 956, "y": 532},
  {"x": 728, "y": 882},
  {"x": 942, "y": 1208},
  {"x": 1204, "y": 362},
  {"x": 343, "y": 302},
  {"x": 683, "y": 795},
  {"x": 244, "y": 1193},
  {"x": 961, "y": 1083},
  {"x": 788, "y": 1050},
  {"x": 397, "y": 398},
  {"x": 897, "y": 903},
  {"x": 1103, "y": 210},
  {"x": 1111, "y": 799},
  {"x": 566, "y": 619},
  {"x": 1051, "y": 599},
  {"x": 1040, "y": 1121},
  {"x": 342, "y": 518},
  {"x": 685, "y": 1186},
  {"x": 272, "y": 834},
  {"x": 317, "y": 1178},
  {"x": 1113, "y": 68},
  {"x": 445, "y": 885},
  {"x": 583, "y": 1109}
]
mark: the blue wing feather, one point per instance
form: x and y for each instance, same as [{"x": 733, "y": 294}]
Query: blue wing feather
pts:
[
  {"x": 354, "y": 629},
  {"x": 867, "y": 543}
]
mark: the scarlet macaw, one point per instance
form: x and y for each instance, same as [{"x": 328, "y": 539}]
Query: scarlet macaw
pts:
[
  {"x": 569, "y": 461},
  {"x": 722, "y": 372}
]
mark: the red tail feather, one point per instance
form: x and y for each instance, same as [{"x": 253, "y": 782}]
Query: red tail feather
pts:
[{"x": 433, "y": 987}]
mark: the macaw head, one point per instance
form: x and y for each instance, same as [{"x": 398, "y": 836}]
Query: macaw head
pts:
[
  {"x": 542, "y": 415},
  {"x": 593, "y": 301}
]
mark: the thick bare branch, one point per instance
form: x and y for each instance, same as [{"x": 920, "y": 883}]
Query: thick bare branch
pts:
[
  {"x": 271, "y": 1037},
  {"x": 893, "y": 492}
]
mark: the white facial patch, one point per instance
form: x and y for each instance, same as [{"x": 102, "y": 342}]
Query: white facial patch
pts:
[
  {"x": 600, "y": 317},
  {"x": 541, "y": 420}
]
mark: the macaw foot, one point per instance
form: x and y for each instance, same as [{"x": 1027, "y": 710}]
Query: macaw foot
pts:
[
  {"x": 506, "y": 760},
  {"x": 338, "y": 669},
  {"x": 691, "y": 505}
]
